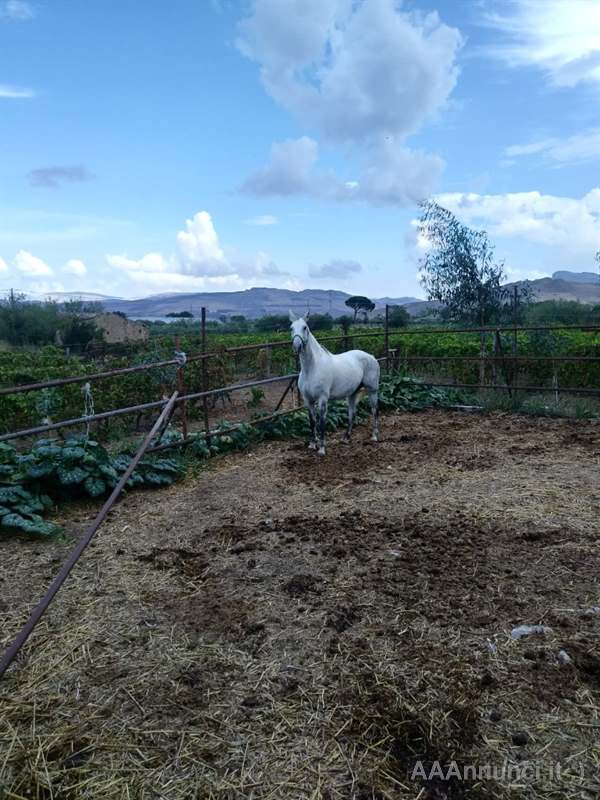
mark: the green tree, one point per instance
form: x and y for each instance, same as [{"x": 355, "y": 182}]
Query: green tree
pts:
[
  {"x": 359, "y": 303},
  {"x": 272, "y": 323},
  {"x": 344, "y": 322},
  {"x": 320, "y": 322},
  {"x": 26, "y": 323},
  {"x": 459, "y": 269},
  {"x": 560, "y": 312},
  {"x": 82, "y": 307},
  {"x": 398, "y": 317},
  {"x": 78, "y": 331}
]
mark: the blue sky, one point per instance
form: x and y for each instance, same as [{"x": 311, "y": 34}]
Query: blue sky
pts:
[{"x": 223, "y": 144}]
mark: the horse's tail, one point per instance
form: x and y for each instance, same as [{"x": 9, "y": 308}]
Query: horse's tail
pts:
[{"x": 372, "y": 373}]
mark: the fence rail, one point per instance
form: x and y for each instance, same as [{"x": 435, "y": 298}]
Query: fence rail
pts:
[
  {"x": 180, "y": 397},
  {"x": 391, "y": 356},
  {"x": 81, "y": 545}
]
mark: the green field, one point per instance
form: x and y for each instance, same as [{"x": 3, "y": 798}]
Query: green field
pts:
[{"x": 27, "y": 366}]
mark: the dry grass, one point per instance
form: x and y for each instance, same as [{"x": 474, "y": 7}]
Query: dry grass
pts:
[{"x": 283, "y": 627}]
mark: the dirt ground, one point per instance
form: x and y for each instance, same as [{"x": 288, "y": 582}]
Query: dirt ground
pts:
[{"x": 284, "y": 626}]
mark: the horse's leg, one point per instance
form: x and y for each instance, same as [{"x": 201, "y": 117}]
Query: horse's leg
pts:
[
  {"x": 322, "y": 423},
  {"x": 313, "y": 426},
  {"x": 351, "y": 414},
  {"x": 374, "y": 401}
]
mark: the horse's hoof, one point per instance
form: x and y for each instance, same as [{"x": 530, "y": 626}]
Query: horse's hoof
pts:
[
  {"x": 346, "y": 440},
  {"x": 321, "y": 451},
  {"x": 375, "y": 438},
  {"x": 312, "y": 446}
]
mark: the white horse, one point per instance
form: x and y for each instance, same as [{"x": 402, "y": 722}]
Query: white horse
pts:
[{"x": 325, "y": 376}]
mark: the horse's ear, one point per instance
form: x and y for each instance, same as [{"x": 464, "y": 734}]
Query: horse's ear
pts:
[
  {"x": 292, "y": 316},
  {"x": 307, "y": 315}
]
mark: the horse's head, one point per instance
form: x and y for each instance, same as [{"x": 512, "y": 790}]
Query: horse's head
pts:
[{"x": 300, "y": 331}]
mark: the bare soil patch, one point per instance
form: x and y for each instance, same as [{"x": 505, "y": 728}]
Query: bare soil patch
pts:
[{"x": 288, "y": 626}]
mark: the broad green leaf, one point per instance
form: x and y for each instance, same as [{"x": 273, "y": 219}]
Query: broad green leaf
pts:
[
  {"x": 35, "y": 526},
  {"x": 108, "y": 471},
  {"x": 47, "y": 450},
  {"x": 94, "y": 486},
  {"x": 72, "y": 453},
  {"x": 69, "y": 476},
  {"x": 40, "y": 470}
]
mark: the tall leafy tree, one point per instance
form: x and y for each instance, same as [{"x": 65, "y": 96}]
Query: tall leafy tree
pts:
[
  {"x": 459, "y": 268},
  {"x": 359, "y": 303}
]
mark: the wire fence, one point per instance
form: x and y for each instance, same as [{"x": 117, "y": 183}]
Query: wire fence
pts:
[
  {"x": 484, "y": 358},
  {"x": 496, "y": 367}
]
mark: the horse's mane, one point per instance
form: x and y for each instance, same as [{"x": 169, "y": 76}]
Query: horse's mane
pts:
[{"x": 322, "y": 346}]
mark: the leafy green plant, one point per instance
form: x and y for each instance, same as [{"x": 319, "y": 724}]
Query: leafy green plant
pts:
[
  {"x": 57, "y": 471},
  {"x": 257, "y": 396},
  {"x": 75, "y": 467},
  {"x": 21, "y": 510},
  {"x": 151, "y": 471},
  {"x": 407, "y": 394}
]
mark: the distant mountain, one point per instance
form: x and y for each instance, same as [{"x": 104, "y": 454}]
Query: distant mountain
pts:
[
  {"x": 396, "y": 301},
  {"x": 87, "y": 297},
  {"x": 65, "y": 297},
  {"x": 564, "y": 289},
  {"x": 251, "y": 303},
  {"x": 576, "y": 277}
]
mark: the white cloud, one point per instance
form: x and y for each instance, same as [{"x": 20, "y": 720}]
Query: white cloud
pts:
[
  {"x": 579, "y": 147},
  {"x": 336, "y": 269},
  {"x": 561, "y": 37},
  {"x": 176, "y": 282},
  {"x": 16, "y": 10},
  {"x": 198, "y": 249},
  {"x": 569, "y": 225},
  {"x": 75, "y": 266},
  {"x": 264, "y": 266},
  {"x": 3, "y": 265},
  {"x": 32, "y": 266},
  {"x": 198, "y": 263},
  {"x": 14, "y": 92},
  {"x": 263, "y": 219},
  {"x": 150, "y": 263},
  {"x": 197, "y": 253},
  {"x": 366, "y": 76},
  {"x": 44, "y": 288},
  {"x": 398, "y": 176},
  {"x": 290, "y": 170},
  {"x": 391, "y": 176}
]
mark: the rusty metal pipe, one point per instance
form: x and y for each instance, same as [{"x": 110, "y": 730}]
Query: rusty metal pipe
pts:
[
  {"x": 93, "y": 376},
  {"x": 72, "y": 559},
  {"x": 215, "y": 432}
]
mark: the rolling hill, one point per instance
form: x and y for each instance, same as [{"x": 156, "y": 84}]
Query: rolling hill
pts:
[{"x": 251, "y": 303}]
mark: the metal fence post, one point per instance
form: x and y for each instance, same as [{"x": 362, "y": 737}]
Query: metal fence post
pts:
[
  {"x": 204, "y": 375},
  {"x": 515, "y": 366},
  {"x": 181, "y": 390},
  {"x": 387, "y": 337}
]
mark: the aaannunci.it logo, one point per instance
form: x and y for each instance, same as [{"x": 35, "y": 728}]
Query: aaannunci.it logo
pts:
[{"x": 526, "y": 772}]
